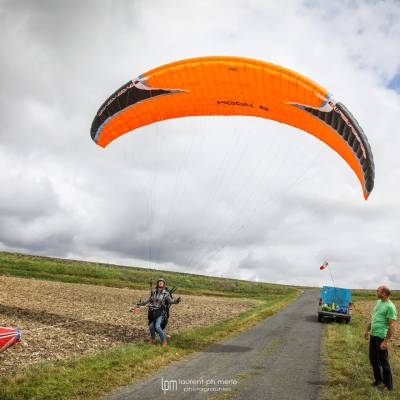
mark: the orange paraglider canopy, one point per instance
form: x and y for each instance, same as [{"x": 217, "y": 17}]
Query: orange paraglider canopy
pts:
[{"x": 236, "y": 86}]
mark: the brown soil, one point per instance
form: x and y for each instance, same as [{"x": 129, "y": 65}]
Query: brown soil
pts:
[{"x": 59, "y": 320}]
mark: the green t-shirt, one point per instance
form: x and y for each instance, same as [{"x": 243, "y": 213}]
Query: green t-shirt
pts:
[{"x": 382, "y": 311}]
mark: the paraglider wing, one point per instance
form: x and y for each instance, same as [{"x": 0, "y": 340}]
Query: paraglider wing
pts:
[
  {"x": 236, "y": 86},
  {"x": 8, "y": 337}
]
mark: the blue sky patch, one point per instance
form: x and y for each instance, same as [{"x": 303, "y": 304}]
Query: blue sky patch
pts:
[{"x": 395, "y": 83}]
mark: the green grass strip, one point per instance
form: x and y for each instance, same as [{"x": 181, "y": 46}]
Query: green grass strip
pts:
[
  {"x": 347, "y": 371},
  {"x": 60, "y": 270}
]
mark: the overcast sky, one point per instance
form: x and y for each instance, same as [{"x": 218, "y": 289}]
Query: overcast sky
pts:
[{"x": 238, "y": 197}]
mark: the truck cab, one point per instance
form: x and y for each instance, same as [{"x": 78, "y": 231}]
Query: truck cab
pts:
[{"x": 335, "y": 304}]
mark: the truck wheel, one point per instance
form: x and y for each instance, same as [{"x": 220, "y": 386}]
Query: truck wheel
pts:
[
  {"x": 320, "y": 318},
  {"x": 347, "y": 320}
]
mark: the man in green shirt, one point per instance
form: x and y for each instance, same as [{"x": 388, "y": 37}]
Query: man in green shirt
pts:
[{"x": 380, "y": 331}]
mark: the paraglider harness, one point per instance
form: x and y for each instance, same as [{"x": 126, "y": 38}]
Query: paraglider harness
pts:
[{"x": 153, "y": 314}]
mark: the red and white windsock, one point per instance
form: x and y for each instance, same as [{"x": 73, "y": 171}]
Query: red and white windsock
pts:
[{"x": 324, "y": 265}]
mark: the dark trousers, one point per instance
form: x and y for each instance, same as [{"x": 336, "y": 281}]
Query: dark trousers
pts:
[{"x": 379, "y": 360}]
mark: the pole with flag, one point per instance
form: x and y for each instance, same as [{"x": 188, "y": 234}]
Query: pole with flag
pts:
[{"x": 325, "y": 265}]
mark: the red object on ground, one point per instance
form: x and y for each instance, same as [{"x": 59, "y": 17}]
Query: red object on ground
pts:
[{"x": 8, "y": 337}]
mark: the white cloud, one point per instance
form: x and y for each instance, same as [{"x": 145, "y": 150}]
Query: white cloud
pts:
[{"x": 239, "y": 197}]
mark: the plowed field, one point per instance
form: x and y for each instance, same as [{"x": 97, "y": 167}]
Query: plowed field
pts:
[{"x": 59, "y": 320}]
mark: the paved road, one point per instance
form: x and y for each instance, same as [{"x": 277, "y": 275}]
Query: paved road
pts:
[{"x": 279, "y": 358}]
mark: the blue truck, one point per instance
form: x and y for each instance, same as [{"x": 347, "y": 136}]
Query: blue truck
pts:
[{"x": 335, "y": 303}]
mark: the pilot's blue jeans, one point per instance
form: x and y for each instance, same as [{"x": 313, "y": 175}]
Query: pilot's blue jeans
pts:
[{"x": 155, "y": 326}]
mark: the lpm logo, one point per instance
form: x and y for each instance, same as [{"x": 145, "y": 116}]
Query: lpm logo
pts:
[{"x": 169, "y": 385}]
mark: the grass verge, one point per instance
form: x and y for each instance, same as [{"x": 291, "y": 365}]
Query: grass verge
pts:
[
  {"x": 90, "y": 377},
  {"x": 347, "y": 371}
]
